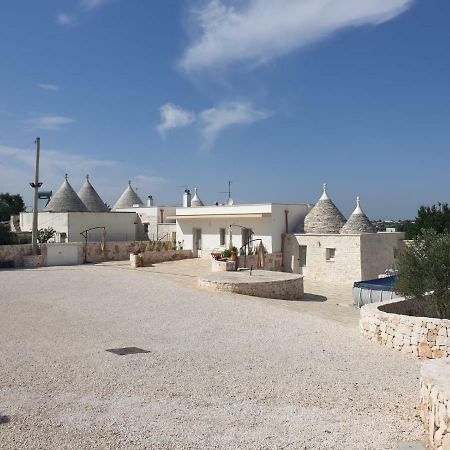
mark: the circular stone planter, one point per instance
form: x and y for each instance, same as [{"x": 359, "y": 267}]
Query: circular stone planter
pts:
[
  {"x": 393, "y": 324},
  {"x": 261, "y": 283}
]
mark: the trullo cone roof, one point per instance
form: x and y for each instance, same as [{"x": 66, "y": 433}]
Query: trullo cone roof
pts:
[
  {"x": 196, "y": 200},
  {"x": 65, "y": 200},
  {"x": 90, "y": 198},
  {"x": 128, "y": 199},
  {"x": 324, "y": 217},
  {"x": 358, "y": 222}
]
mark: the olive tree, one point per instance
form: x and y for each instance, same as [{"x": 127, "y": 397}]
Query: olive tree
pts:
[
  {"x": 10, "y": 205},
  {"x": 424, "y": 272},
  {"x": 45, "y": 234}
]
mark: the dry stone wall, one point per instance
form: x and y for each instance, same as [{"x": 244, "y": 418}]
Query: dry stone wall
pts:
[
  {"x": 285, "y": 286},
  {"x": 435, "y": 402},
  {"x": 272, "y": 261},
  {"x": 95, "y": 252},
  {"x": 421, "y": 336},
  {"x": 15, "y": 253}
]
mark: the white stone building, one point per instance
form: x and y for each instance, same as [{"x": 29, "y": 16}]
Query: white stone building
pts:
[
  {"x": 69, "y": 214},
  {"x": 333, "y": 249},
  {"x": 203, "y": 229},
  {"x": 158, "y": 222}
]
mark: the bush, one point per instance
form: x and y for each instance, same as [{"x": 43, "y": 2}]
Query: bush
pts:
[
  {"x": 226, "y": 253},
  {"x": 436, "y": 217},
  {"x": 6, "y": 237},
  {"x": 425, "y": 269},
  {"x": 45, "y": 234}
]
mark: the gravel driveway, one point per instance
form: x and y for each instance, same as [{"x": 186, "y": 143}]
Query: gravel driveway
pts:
[{"x": 223, "y": 371}]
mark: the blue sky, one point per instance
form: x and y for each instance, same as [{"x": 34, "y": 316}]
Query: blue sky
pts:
[{"x": 278, "y": 96}]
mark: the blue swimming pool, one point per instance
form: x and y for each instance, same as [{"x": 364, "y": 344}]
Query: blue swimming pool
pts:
[{"x": 374, "y": 291}]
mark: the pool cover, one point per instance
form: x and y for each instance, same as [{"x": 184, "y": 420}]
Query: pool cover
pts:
[{"x": 379, "y": 284}]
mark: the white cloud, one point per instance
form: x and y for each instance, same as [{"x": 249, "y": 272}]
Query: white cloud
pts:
[
  {"x": 173, "y": 116},
  {"x": 212, "y": 121},
  {"x": 49, "y": 123},
  {"x": 83, "y": 6},
  {"x": 256, "y": 31},
  {"x": 17, "y": 169},
  {"x": 48, "y": 87},
  {"x": 109, "y": 177},
  {"x": 93, "y": 4},
  {"x": 215, "y": 120},
  {"x": 65, "y": 19}
]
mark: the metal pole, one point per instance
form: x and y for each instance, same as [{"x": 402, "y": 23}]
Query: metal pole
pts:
[{"x": 36, "y": 185}]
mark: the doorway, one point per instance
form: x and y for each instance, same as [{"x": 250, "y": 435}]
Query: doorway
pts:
[
  {"x": 197, "y": 244},
  {"x": 302, "y": 250}
]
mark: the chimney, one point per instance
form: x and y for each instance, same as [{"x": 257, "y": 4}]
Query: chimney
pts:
[
  {"x": 150, "y": 201},
  {"x": 187, "y": 198}
]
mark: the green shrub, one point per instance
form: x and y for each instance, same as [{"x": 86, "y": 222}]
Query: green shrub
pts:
[
  {"x": 45, "y": 234},
  {"x": 425, "y": 272},
  {"x": 226, "y": 253},
  {"x": 6, "y": 237}
]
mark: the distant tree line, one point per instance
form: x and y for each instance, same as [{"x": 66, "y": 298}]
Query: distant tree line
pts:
[
  {"x": 10, "y": 205},
  {"x": 434, "y": 217}
]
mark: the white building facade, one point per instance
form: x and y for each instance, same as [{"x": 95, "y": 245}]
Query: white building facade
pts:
[
  {"x": 69, "y": 225},
  {"x": 335, "y": 250},
  {"x": 71, "y": 214},
  {"x": 204, "y": 229},
  {"x": 157, "y": 222}
]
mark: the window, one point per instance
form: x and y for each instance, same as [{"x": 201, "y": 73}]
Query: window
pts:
[
  {"x": 197, "y": 235},
  {"x": 146, "y": 227},
  {"x": 302, "y": 255},
  {"x": 222, "y": 236},
  {"x": 330, "y": 254}
]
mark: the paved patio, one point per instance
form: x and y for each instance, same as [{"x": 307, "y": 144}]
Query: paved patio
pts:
[{"x": 223, "y": 370}]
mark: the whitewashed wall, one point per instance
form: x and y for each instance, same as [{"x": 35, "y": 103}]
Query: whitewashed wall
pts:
[
  {"x": 379, "y": 252},
  {"x": 269, "y": 227},
  {"x": 358, "y": 257},
  {"x": 120, "y": 226},
  {"x": 262, "y": 228}
]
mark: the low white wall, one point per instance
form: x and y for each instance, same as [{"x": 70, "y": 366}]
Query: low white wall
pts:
[{"x": 421, "y": 336}]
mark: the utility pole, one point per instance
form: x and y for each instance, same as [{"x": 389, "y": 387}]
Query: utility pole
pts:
[{"x": 36, "y": 185}]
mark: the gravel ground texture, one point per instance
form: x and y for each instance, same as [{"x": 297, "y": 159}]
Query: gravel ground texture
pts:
[{"x": 223, "y": 371}]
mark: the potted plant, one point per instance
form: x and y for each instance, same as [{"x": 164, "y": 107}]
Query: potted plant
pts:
[
  {"x": 137, "y": 258},
  {"x": 226, "y": 254},
  {"x": 234, "y": 255}
]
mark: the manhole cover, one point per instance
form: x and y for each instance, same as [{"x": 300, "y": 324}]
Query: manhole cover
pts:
[
  {"x": 411, "y": 446},
  {"x": 127, "y": 350}
]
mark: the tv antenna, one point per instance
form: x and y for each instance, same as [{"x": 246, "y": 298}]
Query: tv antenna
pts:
[
  {"x": 185, "y": 186},
  {"x": 228, "y": 192}
]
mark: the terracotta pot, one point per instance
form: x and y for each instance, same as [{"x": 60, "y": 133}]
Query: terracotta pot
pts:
[{"x": 234, "y": 257}]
